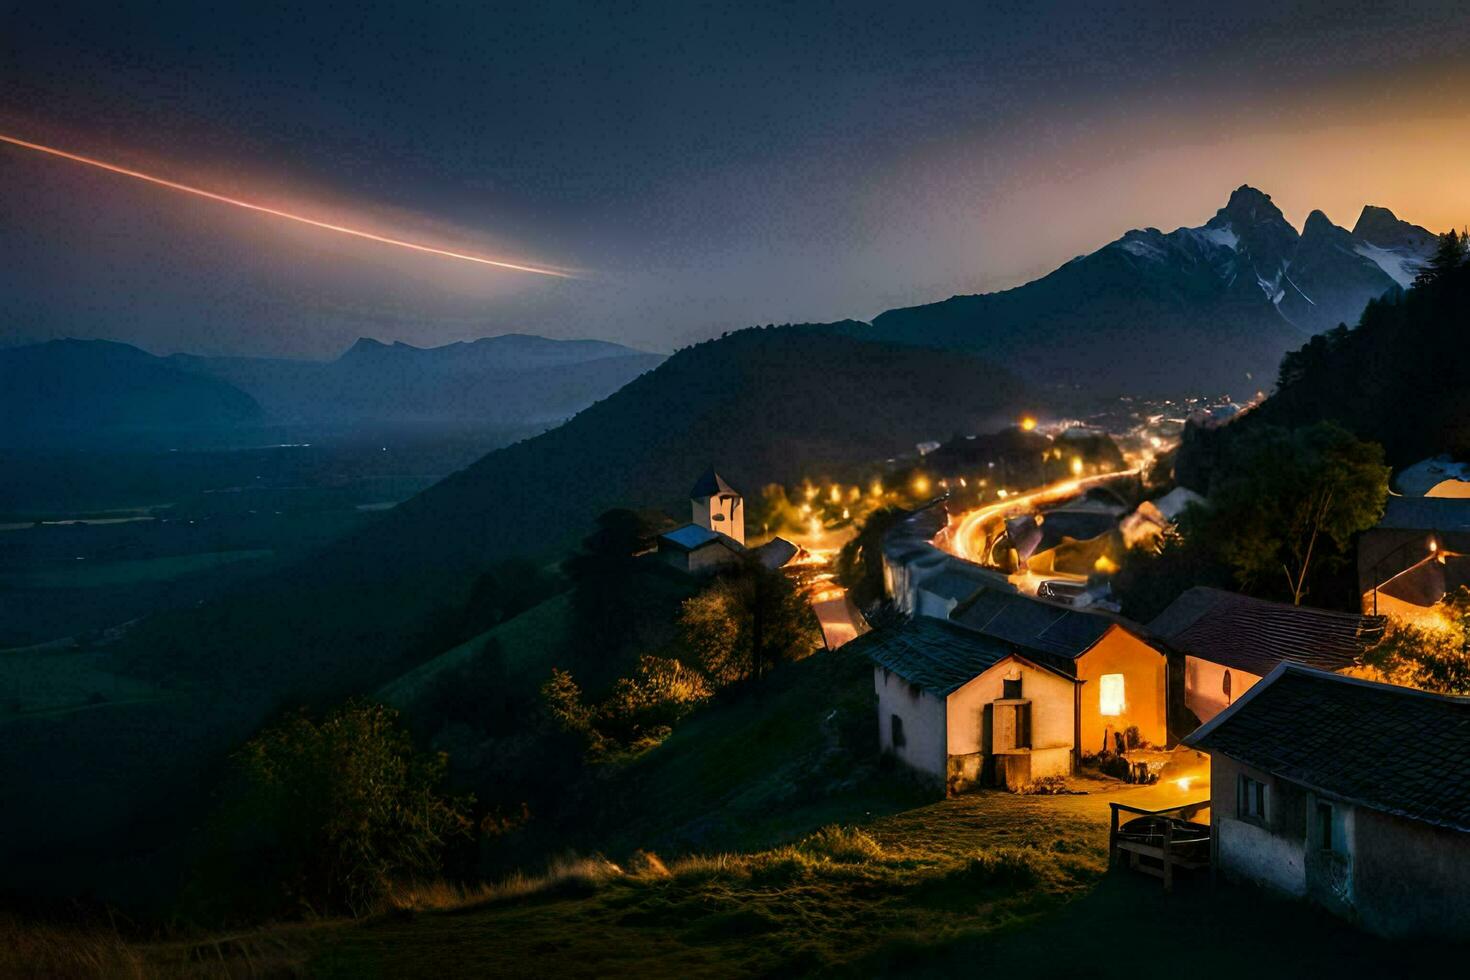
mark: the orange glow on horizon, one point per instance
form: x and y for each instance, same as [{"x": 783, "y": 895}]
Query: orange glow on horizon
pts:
[{"x": 273, "y": 212}]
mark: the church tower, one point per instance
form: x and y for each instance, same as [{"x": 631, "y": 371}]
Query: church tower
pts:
[{"x": 718, "y": 506}]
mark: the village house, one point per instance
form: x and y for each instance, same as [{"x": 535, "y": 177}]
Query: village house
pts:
[
  {"x": 1068, "y": 540},
  {"x": 696, "y": 550},
  {"x": 965, "y": 709},
  {"x": 1350, "y": 793},
  {"x": 1222, "y": 643},
  {"x": 1122, "y": 680},
  {"x": 1417, "y": 553}
]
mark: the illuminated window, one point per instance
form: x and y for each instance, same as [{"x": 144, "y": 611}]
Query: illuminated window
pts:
[{"x": 1110, "y": 694}]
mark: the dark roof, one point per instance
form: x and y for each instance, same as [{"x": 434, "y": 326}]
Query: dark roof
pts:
[
  {"x": 1255, "y": 635},
  {"x": 691, "y": 537},
  {"x": 777, "y": 552},
  {"x": 1032, "y": 623},
  {"x": 709, "y": 485},
  {"x": 933, "y": 653},
  {"x": 1426, "y": 514},
  {"x": 1393, "y": 749},
  {"x": 957, "y": 580}
]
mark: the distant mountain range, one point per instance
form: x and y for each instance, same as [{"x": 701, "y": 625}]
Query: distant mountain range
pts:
[
  {"x": 95, "y": 391},
  {"x": 1197, "y": 310},
  {"x": 54, "y": 392}
]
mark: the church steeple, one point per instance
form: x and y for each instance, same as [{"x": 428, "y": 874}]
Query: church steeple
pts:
[{"x": 718, "y": 506}]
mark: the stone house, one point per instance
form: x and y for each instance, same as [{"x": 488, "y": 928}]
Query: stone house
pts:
[{"x": 1350, "y": 793}]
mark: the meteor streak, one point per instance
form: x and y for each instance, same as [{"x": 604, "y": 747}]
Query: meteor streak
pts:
[{"x": 341, "y": 229}]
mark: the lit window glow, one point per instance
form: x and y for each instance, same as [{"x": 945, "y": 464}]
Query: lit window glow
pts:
[{"x": 1110, "y": 694}]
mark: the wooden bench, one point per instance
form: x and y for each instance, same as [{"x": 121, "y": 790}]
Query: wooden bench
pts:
[{"x": 1165, "y": 853}]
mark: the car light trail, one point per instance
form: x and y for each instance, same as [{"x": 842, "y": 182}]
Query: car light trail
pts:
[
  {"x": 970, "y": 533},
  {"x": 302, "y": 219}
]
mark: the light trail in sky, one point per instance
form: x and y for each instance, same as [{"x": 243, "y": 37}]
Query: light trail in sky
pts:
[{"x": 273, "y": 212}]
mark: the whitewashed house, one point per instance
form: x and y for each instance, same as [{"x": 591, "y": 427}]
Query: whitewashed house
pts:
[
  {"x": 965, "y": 709},
  {"x": 1122, "y": 679}
]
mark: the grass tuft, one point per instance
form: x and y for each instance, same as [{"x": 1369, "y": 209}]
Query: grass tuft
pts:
[{"x": 842, "y": 844}]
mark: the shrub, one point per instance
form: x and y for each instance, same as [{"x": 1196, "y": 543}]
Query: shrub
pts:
[
  {"x": 1008, "y": 867},
  {"x": 340, "y": 808}
]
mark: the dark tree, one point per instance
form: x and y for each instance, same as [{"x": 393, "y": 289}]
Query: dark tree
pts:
[{"x": 1449, "y": 256}]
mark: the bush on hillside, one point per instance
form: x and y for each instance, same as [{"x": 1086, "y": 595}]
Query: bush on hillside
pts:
[
  {"x": 327, "y": 814},
  {"x": 747, "y": 621},
  {"x": 640, "y": 711},
  {"x": 1431, "y": 658}
]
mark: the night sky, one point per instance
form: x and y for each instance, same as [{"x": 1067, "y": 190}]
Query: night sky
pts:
[{"x": 705, "y": 166}]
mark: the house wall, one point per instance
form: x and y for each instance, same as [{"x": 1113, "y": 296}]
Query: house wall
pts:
[
  {"x": 1271, "y": 854},
  {"x": 924, "y": 728},
  {"x": 1410, "y": 879},
  {"x": 724, "y": 513},
  {"x": 1145, "y": 690},
  {"x": 1204, "y": 683},
  {"x": 927, "y": 603},
  {"x": 1052, "y": 717},
  {"x": 902, "y": 578},
  {"x": 1396, "y": 877},
  {"x": 709, "y": 557}
]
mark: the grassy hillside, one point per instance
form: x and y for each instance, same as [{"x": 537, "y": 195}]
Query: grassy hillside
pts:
[
  {"x": 763, "y": 839},
  {"x": 770, "y": 763},
  {"x": 528, "y": 646},
  {"x": 952, "y": 888}
]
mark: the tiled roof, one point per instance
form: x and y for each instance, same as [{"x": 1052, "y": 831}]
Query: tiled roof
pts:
[
  {"x": 1255, "y": 635},
  {"x": 777, "y": 552},
  {"x": 957, "y": 580},
  {"x": 1033, "y": 624},
  {"x": 933, "y": 653},
  {"x": 1426, "y": 513},
  {"x": 1388, "y": 748}
]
